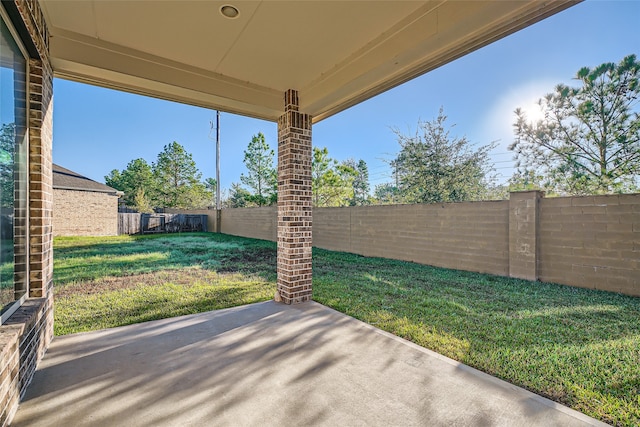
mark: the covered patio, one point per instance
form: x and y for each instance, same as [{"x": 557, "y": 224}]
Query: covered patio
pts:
[
  {"x": 291, "y": 62},
  {"x": 269, "y": 364}
]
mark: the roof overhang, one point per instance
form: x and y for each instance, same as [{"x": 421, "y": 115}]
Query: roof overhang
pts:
[
  {"x": 113, "y": 192},
  {"x": 335, "y": 53}
]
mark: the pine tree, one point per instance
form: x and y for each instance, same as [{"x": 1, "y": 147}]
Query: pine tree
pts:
[
  {"x": 261, "y": 176},
  {"x": 589, "y": 139}
]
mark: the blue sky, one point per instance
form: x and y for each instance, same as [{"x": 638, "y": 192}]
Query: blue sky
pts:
[{"x": 97, "y": 130}]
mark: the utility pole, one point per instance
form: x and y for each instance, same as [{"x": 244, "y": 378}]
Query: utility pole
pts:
[
  {"x": 217, "y": 201},
  {"x": 218, "y": 160}
]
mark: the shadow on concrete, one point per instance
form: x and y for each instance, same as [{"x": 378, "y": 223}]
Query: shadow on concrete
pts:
[{"x": 268, "y": 364}]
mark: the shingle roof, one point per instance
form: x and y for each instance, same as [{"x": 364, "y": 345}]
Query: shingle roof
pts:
[{"x": 64, "y": 179}]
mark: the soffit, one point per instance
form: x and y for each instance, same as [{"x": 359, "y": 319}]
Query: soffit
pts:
[{"x": 335, "y": 53}]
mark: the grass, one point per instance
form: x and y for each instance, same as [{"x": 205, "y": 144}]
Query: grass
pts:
[
  {"x": 113, "y": 281},
  {"x": 576, "y": 346}
]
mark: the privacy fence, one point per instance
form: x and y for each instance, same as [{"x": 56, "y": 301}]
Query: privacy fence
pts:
[
  {"x": 591, "y": 242},
  {"x": 138, "y": 223}
]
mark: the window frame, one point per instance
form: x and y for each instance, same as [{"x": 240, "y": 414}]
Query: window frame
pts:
[{"x": 12, "y": 307}]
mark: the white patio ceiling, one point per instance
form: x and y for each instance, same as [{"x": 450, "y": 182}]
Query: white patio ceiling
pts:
[{"x": 335, "y": 53}]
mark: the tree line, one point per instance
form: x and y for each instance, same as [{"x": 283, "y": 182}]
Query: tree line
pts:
[
  {"x": 588, "y": 142},
  {"x": 172, "y": 181},
  {"x": 334, "y": 183}
]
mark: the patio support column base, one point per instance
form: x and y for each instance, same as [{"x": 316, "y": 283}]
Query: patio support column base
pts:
[{"x": 294, "y": 203}]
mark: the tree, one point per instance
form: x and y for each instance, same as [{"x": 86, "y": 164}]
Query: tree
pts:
[
  {"x": 434, "y": 167},
  {"x": 589, "y": 139},
  {"x": 178, "y": 179},
  {"x": 211, "y": 185},
  {"x": 137, "y": 176},
  {"x": 527, "y": 179},
  {"x": 386, "y": 194},
  {"x": 238, "y": 197},
  {"x": 332, "y": 182},
  {"x": 261, "y": 176},
  {"x": 172, "y": 181},
  {"x": 141, "y": 202},
  {"x": 360, "y": 183},
  {"x": 7, "y": 154}
]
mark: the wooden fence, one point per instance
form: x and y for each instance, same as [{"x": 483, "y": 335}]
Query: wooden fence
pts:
[{"x": 137, "y": 223}]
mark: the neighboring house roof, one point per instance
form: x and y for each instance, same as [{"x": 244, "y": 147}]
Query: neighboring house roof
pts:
[{"x": 65, "y": 179}]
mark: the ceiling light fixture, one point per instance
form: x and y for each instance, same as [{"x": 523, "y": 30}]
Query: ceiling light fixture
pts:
[{"x": 229, "y": 11}]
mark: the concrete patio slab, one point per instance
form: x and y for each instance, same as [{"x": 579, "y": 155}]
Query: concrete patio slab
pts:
[{"x": 269, "y": 364}]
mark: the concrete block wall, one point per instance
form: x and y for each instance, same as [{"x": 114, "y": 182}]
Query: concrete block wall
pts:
[
  {"x": 467, "y": 236},
  {"x": 257, "y": 223},
  {"x": 332, "y": 228},
  {"x": 98, "y": 216},
  {"x": 464, "y": 236},
  {"x": 523, "y": 235},
  {"x": 591, "y": 242}
]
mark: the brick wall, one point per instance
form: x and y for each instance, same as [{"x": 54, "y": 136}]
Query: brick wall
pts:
[
  {"x": 23, "y": 341},
  {"x": 591, "y": 242},
  {"x": 26, "y": 335},
  {"x": 84, "y": 213}
]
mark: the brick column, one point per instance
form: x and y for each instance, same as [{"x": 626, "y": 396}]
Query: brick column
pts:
[
  {"x": 523, "y": 234},
  {"x": 40, "y": 178},
  {"x": 28, "y": 332},
  {"x": 294, "y": 203}
]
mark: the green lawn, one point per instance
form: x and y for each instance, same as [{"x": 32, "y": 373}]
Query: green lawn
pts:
[{"x": 576, "y": 346}]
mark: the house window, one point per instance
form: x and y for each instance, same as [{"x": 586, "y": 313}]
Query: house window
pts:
[{"x": 14, "y": 279}]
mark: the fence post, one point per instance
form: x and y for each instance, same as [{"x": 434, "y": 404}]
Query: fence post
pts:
[{"x": 523, "y": 234}]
